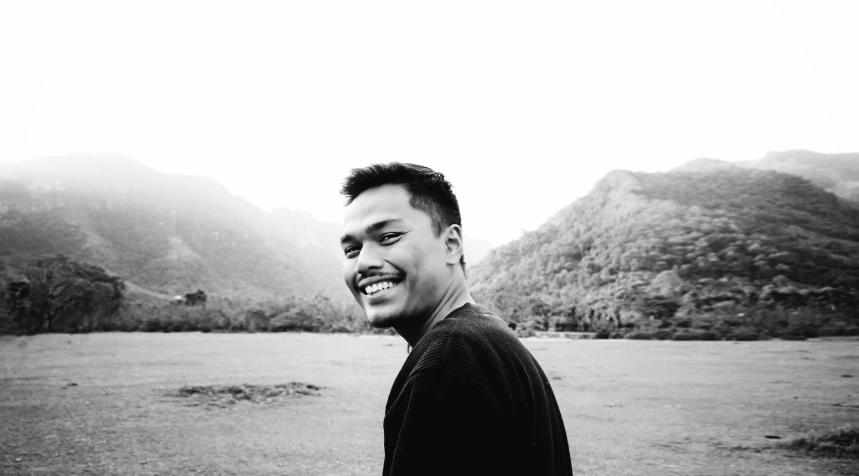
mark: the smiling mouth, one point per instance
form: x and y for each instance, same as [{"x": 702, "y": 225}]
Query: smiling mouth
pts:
[{"x": 379, "y": 287}]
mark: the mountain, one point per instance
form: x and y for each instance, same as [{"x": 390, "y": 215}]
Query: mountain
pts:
[
  {"x": 475, "y": 250},
  {"x": 705, "y": 164},
  {"x": 317, "y": 242},
  {"x": 709, "y": 249},
  {"x": 165, "y": 233},
  {"x": 836, "y": 173},
  {"x": 168, "y": 234}
]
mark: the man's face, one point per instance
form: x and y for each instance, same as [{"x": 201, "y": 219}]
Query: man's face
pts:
[{"x": 394, "y": 263}]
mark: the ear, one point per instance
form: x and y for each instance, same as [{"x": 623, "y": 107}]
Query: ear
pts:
[{"x": 453, "y": 244}]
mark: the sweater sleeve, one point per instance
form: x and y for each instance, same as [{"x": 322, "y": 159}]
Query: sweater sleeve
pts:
[{"x": 449, "y": 424}]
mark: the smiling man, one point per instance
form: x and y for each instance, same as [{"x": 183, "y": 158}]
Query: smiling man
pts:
[{"x": 470, "y": 398}]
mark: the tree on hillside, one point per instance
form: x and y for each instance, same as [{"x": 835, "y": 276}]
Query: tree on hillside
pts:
[
  {"x": 60, "y": 294},
  {"x": 673, "y": 250}
]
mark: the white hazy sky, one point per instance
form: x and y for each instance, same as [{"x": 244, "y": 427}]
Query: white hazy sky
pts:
[{"x": 523, "y": 105}]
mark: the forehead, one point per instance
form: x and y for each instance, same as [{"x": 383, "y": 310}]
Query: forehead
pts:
[{"x": 388, "y": 202}]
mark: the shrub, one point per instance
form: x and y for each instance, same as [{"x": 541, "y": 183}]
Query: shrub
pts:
[
  {"x": 170, "y": 325},
  {"x": 523, "y": 332},
  {"x": 641, "y": 335},
  {"x": 238, "y": 324},
  {"x": 709, "y": 335},
  {"x": 152, "y": 325},
  {"x": 744, "y": 336},
  {"x": 124, "y": 326},
  {"x": 129, "y": 326},
  {"x": 840, "y": 442},
  {"x": 57, "y": 294},
  {"x": 684, "y": 336},
  {"x": 836, "y": 329},
  {"x": 695, "y": 335}
]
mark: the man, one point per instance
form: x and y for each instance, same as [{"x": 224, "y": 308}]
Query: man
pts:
[{"x": 470, "y": 399}]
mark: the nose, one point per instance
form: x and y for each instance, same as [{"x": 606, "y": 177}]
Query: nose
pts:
[{"x": 368, "y": 260}]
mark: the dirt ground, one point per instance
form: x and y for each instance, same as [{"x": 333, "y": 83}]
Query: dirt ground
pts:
[{"x": 106, "y": 404}]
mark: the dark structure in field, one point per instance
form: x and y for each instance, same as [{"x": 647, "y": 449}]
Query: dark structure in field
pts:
[{"x": 196, "y": 298}]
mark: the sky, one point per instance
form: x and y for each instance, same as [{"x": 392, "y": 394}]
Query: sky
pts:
[{"x": 522, "y": 105}]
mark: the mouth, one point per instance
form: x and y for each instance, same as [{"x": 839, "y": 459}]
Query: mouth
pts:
[{"x": 379, "y": 287}]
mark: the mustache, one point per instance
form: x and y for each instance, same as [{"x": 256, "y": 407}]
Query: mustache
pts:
[{"x": 360, "y": 276}]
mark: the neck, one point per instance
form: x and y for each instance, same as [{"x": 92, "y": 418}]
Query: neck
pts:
[{"x": 456, "y": 296}]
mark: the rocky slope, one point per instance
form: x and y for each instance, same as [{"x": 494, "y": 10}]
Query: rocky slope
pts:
[{"x": 709, "y": 248}]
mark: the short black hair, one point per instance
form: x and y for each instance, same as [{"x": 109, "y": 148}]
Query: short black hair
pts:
[{"x": 429, "y": 191}]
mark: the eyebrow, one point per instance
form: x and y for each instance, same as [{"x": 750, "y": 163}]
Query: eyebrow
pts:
[{"x": 371, "y": 229}]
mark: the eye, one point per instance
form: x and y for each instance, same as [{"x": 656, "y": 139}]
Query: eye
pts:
[
  {"x": 351, "y": 251},
  {"x": 389, "y": 238}
]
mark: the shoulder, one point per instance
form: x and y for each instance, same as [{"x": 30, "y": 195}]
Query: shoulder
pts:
[{"x": 468, "y": 342}]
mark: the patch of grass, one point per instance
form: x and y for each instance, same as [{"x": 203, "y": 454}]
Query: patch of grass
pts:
[
  {"x": 231, "y": 394},
  {"x": 110, "y": 424},
  {"x": 842, "y": 442}
]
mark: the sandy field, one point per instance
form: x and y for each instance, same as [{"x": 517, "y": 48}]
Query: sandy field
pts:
[{"x": 105, "y": 404}]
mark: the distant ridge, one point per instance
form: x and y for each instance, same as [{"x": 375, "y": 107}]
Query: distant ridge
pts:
[
  {"x": 836, "y": 173},
  {"x": 168, "y": 234},
  {"x": 704, "y": 164}
]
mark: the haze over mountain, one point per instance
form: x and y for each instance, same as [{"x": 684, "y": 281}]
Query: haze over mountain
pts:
[
  {"x": 836, "y": 173},
  {"x": 168, "y": 234},
  {"x": 706, "y": 241},
  {"x": 705, "y": 164}
]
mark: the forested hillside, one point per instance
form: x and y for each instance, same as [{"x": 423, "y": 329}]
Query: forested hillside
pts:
[
  {"x": 169, "y": 234},
  {"x": 708, "y": 251}
]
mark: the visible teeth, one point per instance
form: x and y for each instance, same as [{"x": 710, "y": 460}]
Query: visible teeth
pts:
[{"x": 374, "y": 288}]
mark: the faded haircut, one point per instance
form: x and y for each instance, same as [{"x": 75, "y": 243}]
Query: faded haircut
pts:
[{"x": 430, "y": 192}]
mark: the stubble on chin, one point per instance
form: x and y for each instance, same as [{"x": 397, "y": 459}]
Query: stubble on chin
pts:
[
  {"x": 380, "y": 325},
  {"x": 382, "y": 322}
]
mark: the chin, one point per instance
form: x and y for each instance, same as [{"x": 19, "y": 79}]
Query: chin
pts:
[
  {"x": 376, "y": 324},
  {"x": 380, "y": 319}
]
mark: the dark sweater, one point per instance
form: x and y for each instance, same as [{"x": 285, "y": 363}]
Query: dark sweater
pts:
[{"x": 472, "y": 400}]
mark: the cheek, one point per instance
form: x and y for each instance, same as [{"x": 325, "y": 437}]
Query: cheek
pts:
[
  {"x": 348, "y": 272},
  {"x": 421, "y": 267}
]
